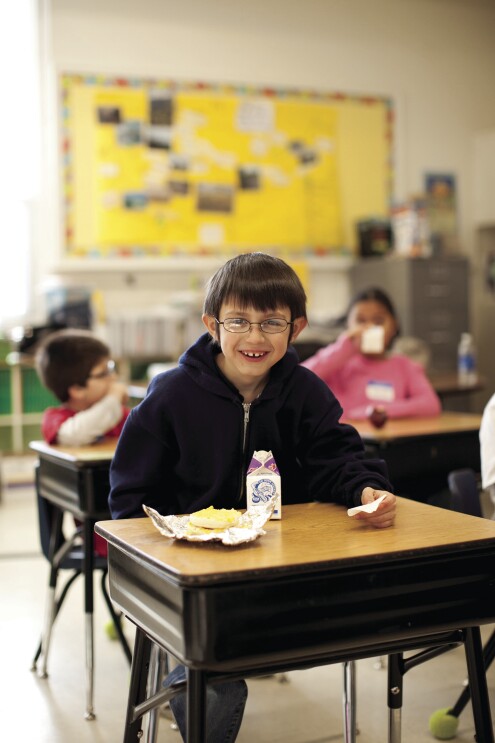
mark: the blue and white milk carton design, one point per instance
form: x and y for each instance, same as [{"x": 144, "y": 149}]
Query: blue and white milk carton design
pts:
[{"x": 263, "y": 482}]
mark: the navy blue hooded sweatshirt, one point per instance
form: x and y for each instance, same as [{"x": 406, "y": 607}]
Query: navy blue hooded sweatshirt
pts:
[{"x": 188, "y": 444}]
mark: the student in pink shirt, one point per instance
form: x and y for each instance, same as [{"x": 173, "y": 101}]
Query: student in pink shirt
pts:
[{"x": 361, "y": 371}]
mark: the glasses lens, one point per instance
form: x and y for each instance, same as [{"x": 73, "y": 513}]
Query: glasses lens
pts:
[
  {"x": 236, "y": 325},
  {"x": 106, "y": 372},
  {"x": 240, "y": 325},
  {"x": 275, "y": 325}
]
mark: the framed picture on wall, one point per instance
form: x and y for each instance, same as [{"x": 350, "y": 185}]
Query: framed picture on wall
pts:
[{"x": 441, "y": 204}]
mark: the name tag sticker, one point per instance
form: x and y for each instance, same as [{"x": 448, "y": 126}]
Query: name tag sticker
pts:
[{"x": 380, "y": 391}]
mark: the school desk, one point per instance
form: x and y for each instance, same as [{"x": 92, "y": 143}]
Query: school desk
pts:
[
  {"x": 446, "y": 385},
  {"x": 76, "y": 480},
  {"x": 317, "y": 588},
  {"x": 420, "y": 452}
]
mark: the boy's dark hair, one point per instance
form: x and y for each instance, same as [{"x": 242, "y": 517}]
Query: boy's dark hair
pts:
[
  {"x": 256, "y": 280},
  {"x": 67, "y": 357}
]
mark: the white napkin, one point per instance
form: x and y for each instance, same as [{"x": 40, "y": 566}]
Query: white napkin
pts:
[{"x": 367, "y": 508}]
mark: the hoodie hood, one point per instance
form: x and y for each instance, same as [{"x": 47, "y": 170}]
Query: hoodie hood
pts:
[{"x": 199, "y": 362}]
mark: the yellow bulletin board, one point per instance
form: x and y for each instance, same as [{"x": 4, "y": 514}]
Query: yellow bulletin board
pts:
[{"x": 154, "y": 167}]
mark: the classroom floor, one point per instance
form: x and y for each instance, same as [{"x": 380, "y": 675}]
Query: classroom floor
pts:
[{"x": 307, "y": 709}]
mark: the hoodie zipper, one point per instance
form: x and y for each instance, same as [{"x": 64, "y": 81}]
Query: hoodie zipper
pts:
[{"x": 246, "y": 406}]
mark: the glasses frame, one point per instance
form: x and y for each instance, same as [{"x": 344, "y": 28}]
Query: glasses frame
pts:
[
  {"x": 110, "y": 369},
  {"x": 248, "y": 329}
]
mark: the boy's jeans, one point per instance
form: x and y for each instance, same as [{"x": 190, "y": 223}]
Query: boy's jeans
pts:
[{"x": 224, "y": 707}]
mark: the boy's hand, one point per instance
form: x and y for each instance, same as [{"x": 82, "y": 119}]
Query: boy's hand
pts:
[
  {"x": 119, "y": 390},
  {"x": 385, "y": 513}
]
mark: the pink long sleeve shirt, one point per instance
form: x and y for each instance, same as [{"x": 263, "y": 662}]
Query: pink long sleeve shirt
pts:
[{"x": 357, "y": 381}]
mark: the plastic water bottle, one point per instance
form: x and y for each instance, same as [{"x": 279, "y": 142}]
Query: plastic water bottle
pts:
[{"x": 466, "y": 360}]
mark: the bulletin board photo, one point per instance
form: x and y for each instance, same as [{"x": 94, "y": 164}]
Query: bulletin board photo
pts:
[{"x": 162, "y": 168}]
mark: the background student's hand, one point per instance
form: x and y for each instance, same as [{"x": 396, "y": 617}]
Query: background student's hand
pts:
[
  {"x": 354, "y": 334},
  {"x": 119, "y": 390},
  {"x": 385, "y": 513}
]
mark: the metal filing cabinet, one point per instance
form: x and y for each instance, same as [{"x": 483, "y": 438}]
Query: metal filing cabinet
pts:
[{"x": 430, "y": 296}]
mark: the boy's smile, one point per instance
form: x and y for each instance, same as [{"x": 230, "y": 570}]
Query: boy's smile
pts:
[
  {"x": 247, "y": 357},
  {"x": 253, "y": 347}
]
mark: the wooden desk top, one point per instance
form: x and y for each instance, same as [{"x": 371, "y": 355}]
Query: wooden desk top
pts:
[
  {"x": 101, "y": 452},
  {"x": 309, "y": 537},
  {"x": 411, "y": 427},
  {"x": 447, "y": 383}
]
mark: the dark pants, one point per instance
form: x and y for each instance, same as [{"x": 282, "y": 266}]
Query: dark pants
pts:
[{"x": 224, "y": 707}]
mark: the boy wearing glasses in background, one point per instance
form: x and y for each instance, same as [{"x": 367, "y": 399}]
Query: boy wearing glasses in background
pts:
[
  {"x": 238, "y": 389},
  {"x": 75, "y": 365}
]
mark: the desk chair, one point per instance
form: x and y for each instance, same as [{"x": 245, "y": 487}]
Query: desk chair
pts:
[
  {"x": 65, "y": 554},
  {"x": 465, "y": 492},
  {"x": 414, "y": 348}
]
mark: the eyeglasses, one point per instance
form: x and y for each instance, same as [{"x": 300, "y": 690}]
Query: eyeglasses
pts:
[
  {"x": 240, "y": 325},
  {"x": 105, "y": 373}
]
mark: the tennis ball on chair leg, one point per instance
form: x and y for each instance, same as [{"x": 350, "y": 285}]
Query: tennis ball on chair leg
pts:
[
  {"x": 443, "y": 725},
  {"x": 110, "y": 630}
]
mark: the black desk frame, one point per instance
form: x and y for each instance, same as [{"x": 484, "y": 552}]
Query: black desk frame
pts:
[
  {"x": 80, "y": 488},
  {"x": 419, "y": 465},
  {"x": 408, "y": 603}
]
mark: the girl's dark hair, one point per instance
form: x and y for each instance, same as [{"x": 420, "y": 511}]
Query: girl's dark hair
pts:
[
  {"x": 256, "y": 280},
  {"x": 372, "y": 294},
  {"x": 67, "y": 357}
]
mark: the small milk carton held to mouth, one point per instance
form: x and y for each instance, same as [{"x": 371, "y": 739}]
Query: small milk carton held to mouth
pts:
[{"x": 263, "y": 482}]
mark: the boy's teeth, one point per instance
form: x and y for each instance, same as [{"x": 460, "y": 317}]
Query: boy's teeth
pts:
[{"x": 255, "y": 355}]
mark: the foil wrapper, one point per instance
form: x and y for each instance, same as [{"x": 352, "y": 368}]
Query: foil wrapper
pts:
[{"x": 247, "y": 529}]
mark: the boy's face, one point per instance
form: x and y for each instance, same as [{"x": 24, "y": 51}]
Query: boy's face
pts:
[
  {"x": 249, "y": 356},
  {"x": 97, "y": 386}
]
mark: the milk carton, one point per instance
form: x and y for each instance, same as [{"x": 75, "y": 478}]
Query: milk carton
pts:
[{"x": 263, "y": 482}]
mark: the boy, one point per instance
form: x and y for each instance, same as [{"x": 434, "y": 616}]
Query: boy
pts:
[
  {"x": 76, "y": 367},
  {"x": 240, "y": 388}
]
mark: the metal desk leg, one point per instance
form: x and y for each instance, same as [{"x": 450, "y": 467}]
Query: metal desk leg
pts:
[
  {"x": 88, "y": 612},
  {"x": 349, "y": 701},
  {"x": 196, "y": 706},
  {"x": 465, "y": 696},
  {"x": 395, "y": 683},
  {"x": 477, "y": 682},
  {"x": 50, "y": 608},
  {"x": 133, "y": 731},
  {"x": 158, "y": 662}
]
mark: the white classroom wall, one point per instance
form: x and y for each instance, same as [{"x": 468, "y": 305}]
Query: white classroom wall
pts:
[{"x": 435, "y": 58}]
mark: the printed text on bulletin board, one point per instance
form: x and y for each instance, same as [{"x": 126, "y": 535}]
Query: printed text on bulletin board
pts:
[{"x": 153, "y": 167}]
